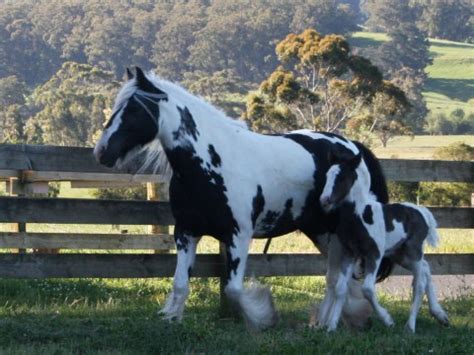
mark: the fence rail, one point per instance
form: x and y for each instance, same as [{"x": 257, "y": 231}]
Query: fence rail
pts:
[
  {"x": 90, "y": 211},
  {"x": 207, "y": 265},
  {"x": 31, "y": 165},
  {"x": 79, "y": 162}
]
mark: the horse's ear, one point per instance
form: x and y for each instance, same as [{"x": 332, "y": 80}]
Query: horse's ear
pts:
[
  {"x": 129, "y": 74},
  {"x": 143, "y": 82},
  {"x": 337, "y": 155}
]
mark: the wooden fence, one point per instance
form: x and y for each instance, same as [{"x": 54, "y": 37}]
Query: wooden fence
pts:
[{"x": 29, "y": 168}]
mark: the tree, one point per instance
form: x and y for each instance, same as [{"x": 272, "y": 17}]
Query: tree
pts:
[
  {"x": 327, "y": 16},
  {"x": 224, "y": 89},
  {"x": 176, "y": 36},
  {"x": 12, "y": 91},
  {"x": 445, "y": 193},
  {"x": 71, "y": 105},
  {"x": 452, "y": 20},
  {"x": 14, "y": 112},
  {"x": 322, "y": 85},
  {"x": 405, "y": 56}
]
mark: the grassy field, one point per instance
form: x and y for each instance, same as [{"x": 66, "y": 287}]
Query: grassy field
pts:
[
  {"x": 110, "y": 317},
  {"x": 451, "y": 76},
  {"x": 418, "y": 147}
]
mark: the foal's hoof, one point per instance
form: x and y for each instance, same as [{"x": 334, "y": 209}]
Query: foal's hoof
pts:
[
  {"x": 442, "y": 318},
  {"x": 409, "y": 328},
  {"x": 170, "y": 316}
]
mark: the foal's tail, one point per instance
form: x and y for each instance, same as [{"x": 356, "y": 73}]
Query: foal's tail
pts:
[{"x": 432, "y": 238}]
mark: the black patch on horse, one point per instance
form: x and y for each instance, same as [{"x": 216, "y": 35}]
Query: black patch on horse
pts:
[
  {"x": 215, "y": 158},
  {"x": 136, "y": 129},
  {"x": 278, "y": 223},
  {"x": 181, "y": 239},
  {"x": 146, "y": 85},
  {"x": 197, "y": 197},
  {"x": 232, "y": 264},
  {"x": 187, "y": 127},
  {"x": 368, "y": 215},
  {"x": 414, "y": 225},
  {"x": 258, "y": 204},
  {"x": 355, "y": 239},
  {"x": 334, "y": 135}
]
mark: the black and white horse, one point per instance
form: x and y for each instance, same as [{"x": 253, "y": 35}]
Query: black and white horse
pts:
[
  {"x": 370, "y": 231},
  {"x": 228, "y": 182}
]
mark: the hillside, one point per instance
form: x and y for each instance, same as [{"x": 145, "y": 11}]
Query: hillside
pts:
[
  {"x": 418, "y": 147},
  {"x": 451, "y": 76}
]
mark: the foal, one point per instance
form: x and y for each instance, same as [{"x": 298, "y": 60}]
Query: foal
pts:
[{"x": 370, "y": 230}]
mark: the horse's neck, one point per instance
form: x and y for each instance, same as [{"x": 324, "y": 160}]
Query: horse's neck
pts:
[{"x": 360, "y": 196}]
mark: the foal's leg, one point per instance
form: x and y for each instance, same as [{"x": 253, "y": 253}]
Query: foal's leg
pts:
[
  {"x": 435, "y": 308},
  {"x": 340, "y": 292},
  {"x": 186, "y": 253},
  {"x": 332, "y": 274},
  {"x": 368, "y": 289},
  {"x": 255, "y": 303},
  {"x": 356, "y": 310},
  {"x": 419, "y": 286}
]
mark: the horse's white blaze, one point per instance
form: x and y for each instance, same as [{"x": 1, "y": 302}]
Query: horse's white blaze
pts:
[
  {"x": 104, "y": 139},
  {"x": 331, "y": 176}
]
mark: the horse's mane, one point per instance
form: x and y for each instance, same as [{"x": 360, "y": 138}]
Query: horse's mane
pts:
[
  {"x": 175, "y": 91},
  {"x": 153, "y": 154},
  {"x": 190, "y": 100}
]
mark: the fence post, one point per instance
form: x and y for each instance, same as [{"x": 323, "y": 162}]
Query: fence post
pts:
[
  {"x": 15, "y": 187},
  {"x": 158, "y": 192}
]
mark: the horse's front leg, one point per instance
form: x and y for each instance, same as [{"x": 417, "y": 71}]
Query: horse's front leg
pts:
[
  {"x": 255, "y": 302},
  {"x": 186, "y": 244}
]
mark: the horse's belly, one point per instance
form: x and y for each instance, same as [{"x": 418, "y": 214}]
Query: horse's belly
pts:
[{"x": 280, "y": 215}]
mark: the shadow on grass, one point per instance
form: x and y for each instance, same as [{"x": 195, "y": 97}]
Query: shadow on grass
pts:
[
  {"x": 363, "y": 42},
  {"x": 457, "y": 89}
]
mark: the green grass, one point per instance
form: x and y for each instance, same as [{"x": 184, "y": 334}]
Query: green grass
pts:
[
  {"x": 418, "y": 147},
  {"x": 119, "y": 316},
  {"x": 450, "y": 82}
]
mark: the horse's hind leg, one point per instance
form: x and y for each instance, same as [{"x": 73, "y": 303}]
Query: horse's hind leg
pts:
[
  {"x": 255, "y": 303},
  {"x": 419, "y": 287},
  {"x": 186, "y": 254},
  {"x": 435, "y": 308}
]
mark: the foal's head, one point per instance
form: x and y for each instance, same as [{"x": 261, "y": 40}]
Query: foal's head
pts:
[
  {"x": 134, "y": 122},
  {"x": 348, "y": 176}
]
